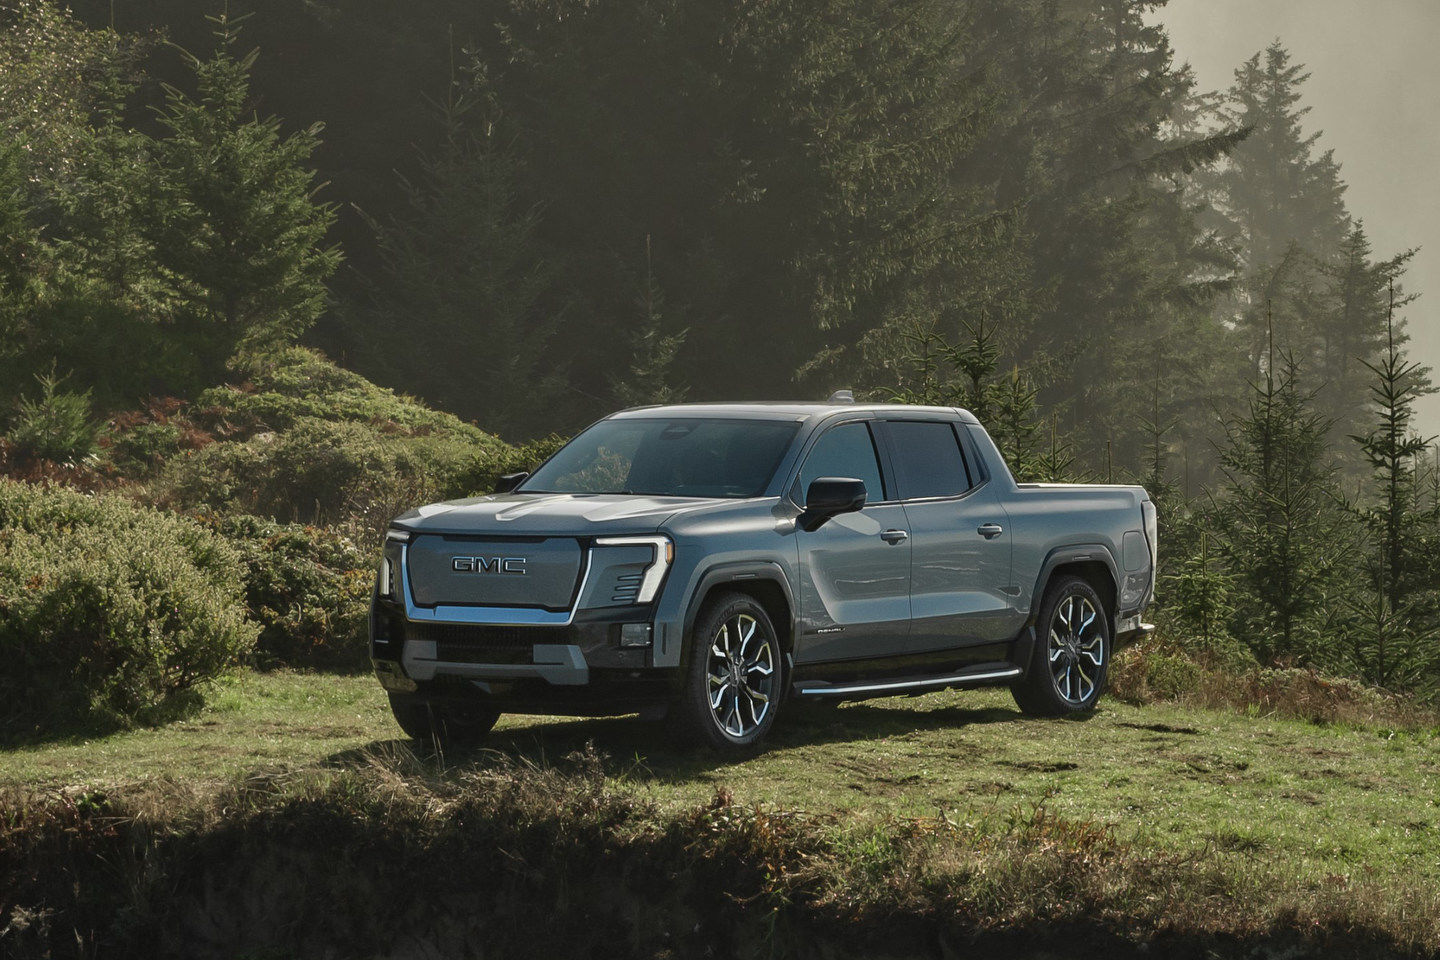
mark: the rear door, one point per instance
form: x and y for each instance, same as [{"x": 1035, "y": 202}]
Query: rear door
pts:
[
  {"x": 855, "y": 569},
  {"x": 960, "y": 558}
]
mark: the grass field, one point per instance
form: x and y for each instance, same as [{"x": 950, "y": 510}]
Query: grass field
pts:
[
  {"x": 1327, "y": 801},
  {"x": 1268, "y": 803}
]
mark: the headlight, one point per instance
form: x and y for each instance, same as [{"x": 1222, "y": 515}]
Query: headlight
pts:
[
  {"x": 386, "y": 586},
  {"x": 654, "y": 575}
]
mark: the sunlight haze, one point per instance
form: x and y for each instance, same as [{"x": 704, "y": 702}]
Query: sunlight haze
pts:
[{"x": 1373, "y": 82}]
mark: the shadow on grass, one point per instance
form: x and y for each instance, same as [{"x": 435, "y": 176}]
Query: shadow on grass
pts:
[
  {"x": 69, "y": 725},
  {"x": 644, "y": 751}
]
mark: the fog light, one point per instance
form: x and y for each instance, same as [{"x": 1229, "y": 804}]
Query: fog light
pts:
[{"x": 635, "y": 635}]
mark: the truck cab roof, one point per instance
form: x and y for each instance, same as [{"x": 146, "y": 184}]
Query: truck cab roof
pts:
[{"x": 788, "y": 410}]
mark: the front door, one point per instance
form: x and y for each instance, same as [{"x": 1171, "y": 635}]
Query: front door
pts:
[{"x": 855, "y": 569}]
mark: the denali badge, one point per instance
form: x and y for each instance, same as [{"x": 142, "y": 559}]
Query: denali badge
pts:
[{"x": 488, "y": 565}]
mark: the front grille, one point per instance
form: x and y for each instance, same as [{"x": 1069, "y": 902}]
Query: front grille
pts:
[{"x": 466, "y": 643}]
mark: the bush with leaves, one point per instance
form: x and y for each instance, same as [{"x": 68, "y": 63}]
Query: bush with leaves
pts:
[
  {"x": 307, "y": 587},
  {"x": 321, "y": 472},
  {"x": 274, "y": 391},
  {"x": 109, "y": 613}
]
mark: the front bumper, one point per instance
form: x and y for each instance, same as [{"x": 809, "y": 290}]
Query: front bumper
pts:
[{"x": 600, "y": 662}]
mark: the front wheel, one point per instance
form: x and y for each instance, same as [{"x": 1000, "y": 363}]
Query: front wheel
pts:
[
  {"x": 734, "y": 678},
  {"x": 1071, "y": 654},
  {"x": 447, "y": 725}
]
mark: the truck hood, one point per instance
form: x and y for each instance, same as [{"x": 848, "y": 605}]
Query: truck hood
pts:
[{"x": 548, "y": 514}]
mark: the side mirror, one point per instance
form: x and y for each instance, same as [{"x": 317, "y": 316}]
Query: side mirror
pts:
[
  {"x": 829, "y": 497},
  {"x": 510, "y": 481}
]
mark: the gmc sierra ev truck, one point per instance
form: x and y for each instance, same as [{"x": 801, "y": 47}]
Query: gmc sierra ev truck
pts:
[{"x": 711, "y": 563}]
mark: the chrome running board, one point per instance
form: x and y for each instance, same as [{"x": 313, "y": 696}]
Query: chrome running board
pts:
[{"x": 902, "y": 685}]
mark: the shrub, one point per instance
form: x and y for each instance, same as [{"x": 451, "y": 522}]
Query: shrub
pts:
[
  {"x": 138, "y": 442},
  {"x": 303, "y": 441},
  {"x": 1149, "y": 672},
  {"x": 109, "y": 612},
  {"x": 321, "y": 472},
  {"x": 307, "y": 587},
  {"x": 55, "y": 427},
  {"x": 280, "y": 390}
]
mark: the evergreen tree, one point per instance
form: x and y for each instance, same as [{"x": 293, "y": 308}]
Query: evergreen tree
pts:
[
  {"x": 1056, "y": 463},
  {"x": 236, "y": 226},
  {"x": 1396, "y": 628},
  {"x": 1354, "y": 324},
  {"x": 651, "y": 379},
  {"x": 1279, "y": 515},
  {"x": 462, "y": 263},
  {"x": 1197, "y": 594},
  {"x": 1013, "y": 425},
  {"x": 1277, "y": 190}
]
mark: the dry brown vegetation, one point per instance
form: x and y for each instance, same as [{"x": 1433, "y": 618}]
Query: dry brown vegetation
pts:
[
  {"x": 396, "y": 857},
  {"x": 1161, "y": 672}
]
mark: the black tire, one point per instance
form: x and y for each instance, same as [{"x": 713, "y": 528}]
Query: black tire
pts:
[
  {"x": 447, "y": 725},
  {"x": 748, "y": 698},
  {"x": 1063, "y": 679}
]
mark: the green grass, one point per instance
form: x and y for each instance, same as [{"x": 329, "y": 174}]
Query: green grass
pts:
[{"x": 1336, "y": 804}]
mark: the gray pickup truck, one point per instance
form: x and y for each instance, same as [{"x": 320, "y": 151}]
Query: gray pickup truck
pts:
[{"x": 711, "y": 563}]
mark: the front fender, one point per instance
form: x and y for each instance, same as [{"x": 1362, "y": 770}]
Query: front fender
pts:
[{"x": 678, "y": 622}]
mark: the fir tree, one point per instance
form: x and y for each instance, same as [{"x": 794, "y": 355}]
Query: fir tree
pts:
[
  {"x": 1056, "y": 463},
  {"x": 651, "y": 378},
  {"x": 1276, "y": 188},
  {"x": 1013, "y": 425},
  {"x": 1279, "y": 512},
  {"x": 463, "y": 262},
  {"x": 1355, "y": 323},
  {"x": 236, "y": 224},
  {"x": 1395, "y": 626},
  {"x": 1198, "y": 594}
]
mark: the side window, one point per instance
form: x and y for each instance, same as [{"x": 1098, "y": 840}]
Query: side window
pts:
[
  {"x": 928, "y": 460},
  {"x": 844, "y": 451}
]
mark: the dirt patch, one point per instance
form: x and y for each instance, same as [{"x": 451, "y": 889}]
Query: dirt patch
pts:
[
  {"x": 1041, "y": 766},
  {"x": 1160, "y": 728}
]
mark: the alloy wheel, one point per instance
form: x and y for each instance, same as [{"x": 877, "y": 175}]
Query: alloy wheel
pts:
[
  {"x": 741, "y": 674},
  {"x": 1076, "y": 648}
]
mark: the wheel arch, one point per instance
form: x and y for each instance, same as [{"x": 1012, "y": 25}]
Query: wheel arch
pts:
[
  {"x": 765, "y": 582},
  {"x": 1093, "y": 563}
]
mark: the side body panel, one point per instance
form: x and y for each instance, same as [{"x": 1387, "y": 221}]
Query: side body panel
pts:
[{"x": 1089, "y": 521}]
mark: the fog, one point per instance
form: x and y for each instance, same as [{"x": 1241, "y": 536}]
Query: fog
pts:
[{"x": 1373, "y": 88}]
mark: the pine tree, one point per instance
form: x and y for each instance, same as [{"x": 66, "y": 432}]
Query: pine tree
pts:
[
  {"x": 1013, "y": 425},
  {"x": 1279, "y": 514},
  {"x": 1276, "y": 189},
  {"x": 463, "y": 262},
  {"x": 1354, "y": 323},
  {"x": 651, "y": 378},
  {"x": 1395, "y": 626},
  {"x": 236, "y": 224},
  {"x": 1198, "y": 595}
]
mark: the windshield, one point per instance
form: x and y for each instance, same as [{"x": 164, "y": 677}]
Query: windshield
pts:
[{"x": 680, "y": 457}]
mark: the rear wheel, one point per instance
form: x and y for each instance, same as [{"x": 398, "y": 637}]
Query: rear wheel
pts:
[
  {"x": 734, "y": 679},
  {"x": 1071, "y": 654},
  {"x": 449, "y": 725}
]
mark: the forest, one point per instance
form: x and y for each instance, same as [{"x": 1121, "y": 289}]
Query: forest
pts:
[{"x": 270, "y": 276}]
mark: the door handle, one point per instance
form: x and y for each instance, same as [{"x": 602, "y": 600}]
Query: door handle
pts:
[
  {"x": 989, "y": 530},
  {"x": 895, "y": 536}
]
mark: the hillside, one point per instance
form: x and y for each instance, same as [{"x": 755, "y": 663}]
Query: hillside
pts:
[{"x": 935, "y": 820}]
